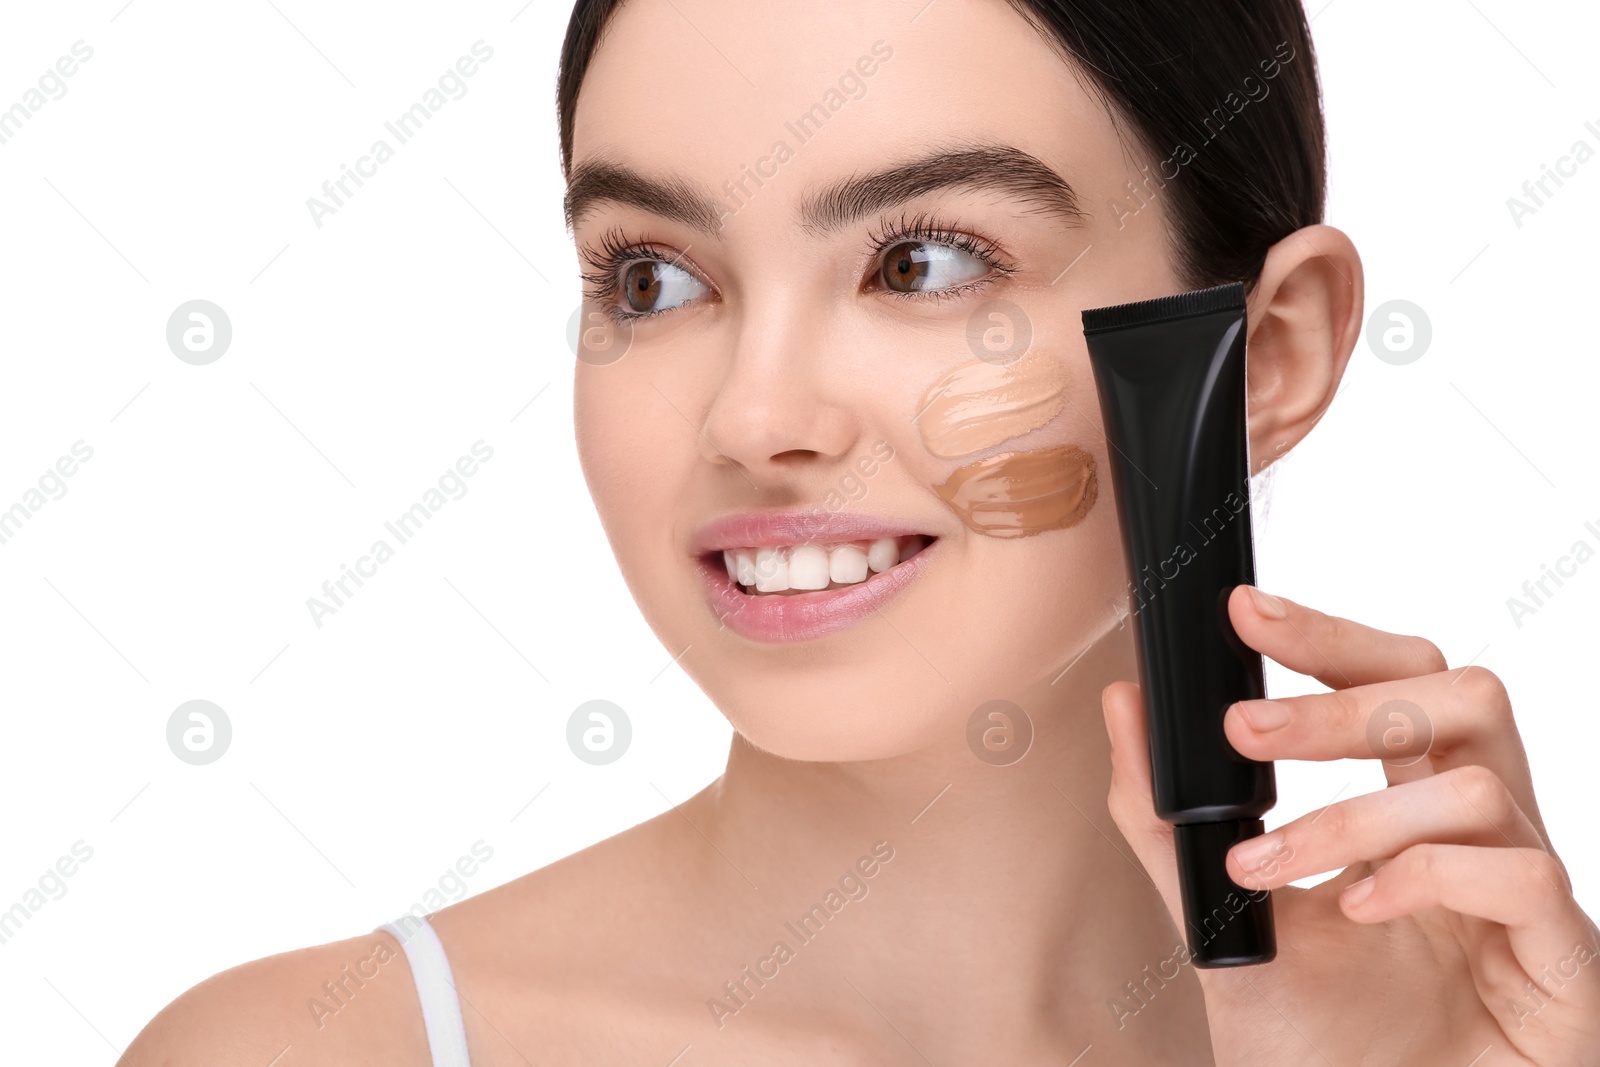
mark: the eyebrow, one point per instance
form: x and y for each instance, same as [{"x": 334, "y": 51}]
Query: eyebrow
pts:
[
  {"x": 998, "y": 168},
  {"x": 601, "y": 180}
]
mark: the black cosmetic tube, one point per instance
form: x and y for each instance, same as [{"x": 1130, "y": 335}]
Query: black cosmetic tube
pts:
[{"x": 1171, "y": 378}]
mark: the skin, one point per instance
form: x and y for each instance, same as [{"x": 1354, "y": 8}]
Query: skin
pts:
[{"x": 1013, "y": 909}]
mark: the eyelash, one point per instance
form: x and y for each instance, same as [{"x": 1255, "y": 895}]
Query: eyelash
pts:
[
  {"x": 615, "y": 252},
  {"x": 929, "y": 228}
]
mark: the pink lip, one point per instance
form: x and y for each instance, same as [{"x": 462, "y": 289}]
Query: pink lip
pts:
[
  {"x": 799, "y": 616},
  {"x": 776, "y": 618},
  {"x": 758, "y": 529}
]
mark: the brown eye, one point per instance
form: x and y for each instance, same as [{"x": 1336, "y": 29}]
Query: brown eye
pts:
[
  {"x": 920, "y": 266},
  {"x": 905, "y": 266},
  {"x": 650, "y": 286},
  {"x": 641, "y": 285}
]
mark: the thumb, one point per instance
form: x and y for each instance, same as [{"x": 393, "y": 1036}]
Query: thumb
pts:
[{"x": 1131, "y": 801}]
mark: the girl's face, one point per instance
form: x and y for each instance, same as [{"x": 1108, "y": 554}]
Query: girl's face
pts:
[{"x": 860, "y": 238}]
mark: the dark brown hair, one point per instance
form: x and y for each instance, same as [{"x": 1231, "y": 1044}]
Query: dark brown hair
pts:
[{"x": 1221, "y": 94}]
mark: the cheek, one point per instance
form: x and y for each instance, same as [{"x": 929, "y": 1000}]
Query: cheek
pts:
[
  {"x": 1043, "y": 410},
  {"x": 1018, "y": 494},
  {"x": 627, "y": 451},
  {"x": 637, "y": 454},
  {"x": 982, "y": 404},
  {"x": 600, "y": 436}
]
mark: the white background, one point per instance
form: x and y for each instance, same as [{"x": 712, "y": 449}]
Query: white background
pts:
[{"x": 429, "y": 312}]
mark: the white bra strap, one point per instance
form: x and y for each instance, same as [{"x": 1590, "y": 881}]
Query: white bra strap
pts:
[{"x": 436, "y": 988}]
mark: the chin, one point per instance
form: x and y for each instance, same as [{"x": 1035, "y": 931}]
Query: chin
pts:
[
  {"x": 845, "y": 733},
  {"x": 841, "y": 708},
  {"x": 855, "y": 707}
]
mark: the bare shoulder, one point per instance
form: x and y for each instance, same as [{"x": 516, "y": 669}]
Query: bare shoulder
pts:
[
  {"x": 548, "y": 962},
  {"x": 606, "y": 955},
  {"x": 349, "y": 1001}
]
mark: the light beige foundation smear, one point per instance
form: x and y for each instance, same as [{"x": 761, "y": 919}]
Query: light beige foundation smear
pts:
[
  {"x": 1018, "y": 494},
  {"x": 979, "y": 404}
]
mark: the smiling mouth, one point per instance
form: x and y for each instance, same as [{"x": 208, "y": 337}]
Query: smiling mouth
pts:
[{"x": 786, "y": 570}]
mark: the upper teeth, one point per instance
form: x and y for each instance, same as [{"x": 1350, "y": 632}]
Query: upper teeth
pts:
[{"x": 781, "y": 568}]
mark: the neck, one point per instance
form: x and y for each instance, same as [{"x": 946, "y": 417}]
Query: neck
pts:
[{"x": 1009, "y": 895}]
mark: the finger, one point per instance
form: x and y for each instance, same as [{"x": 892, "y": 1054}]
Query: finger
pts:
[
  {"x": 1401, "y": 721},
  {"x": 1464, "y": 806},
  {"x": 1526, "y": 890},
  {"x": 1416, "y": 726},
  {"x": 1336, "y": 652},
  {"x": 1131, "y": 800}
]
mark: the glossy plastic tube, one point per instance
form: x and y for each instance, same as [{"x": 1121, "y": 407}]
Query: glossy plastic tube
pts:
[{"x": 1171, "y": 378}]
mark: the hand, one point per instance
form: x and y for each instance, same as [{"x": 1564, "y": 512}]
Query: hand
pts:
[{"x": 1451, "y": 936}]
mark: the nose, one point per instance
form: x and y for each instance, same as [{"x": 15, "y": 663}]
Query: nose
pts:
[{"x": 781, "y": 402}]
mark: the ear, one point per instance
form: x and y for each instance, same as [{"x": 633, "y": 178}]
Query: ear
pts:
[{"x": 1305, "y": 317}]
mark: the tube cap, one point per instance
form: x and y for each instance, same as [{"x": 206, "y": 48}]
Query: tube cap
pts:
[{"x": 1227, "y": 925}]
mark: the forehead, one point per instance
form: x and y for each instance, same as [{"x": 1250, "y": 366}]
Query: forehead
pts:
[{"x": 715, "y": 90}]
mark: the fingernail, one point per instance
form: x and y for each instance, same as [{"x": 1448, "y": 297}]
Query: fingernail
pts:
[
  {"x": 1255, "y": 851},
  {"x": 1264, "y": 715},
  {"x": 1355, "y": 893},
  {"x": 1268, "y": 604}
]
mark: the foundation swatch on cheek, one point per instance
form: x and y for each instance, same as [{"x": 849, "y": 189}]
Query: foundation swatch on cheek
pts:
[
  {"x": 978, "y": 405},
  {"x": 1017, "y": 494}
]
